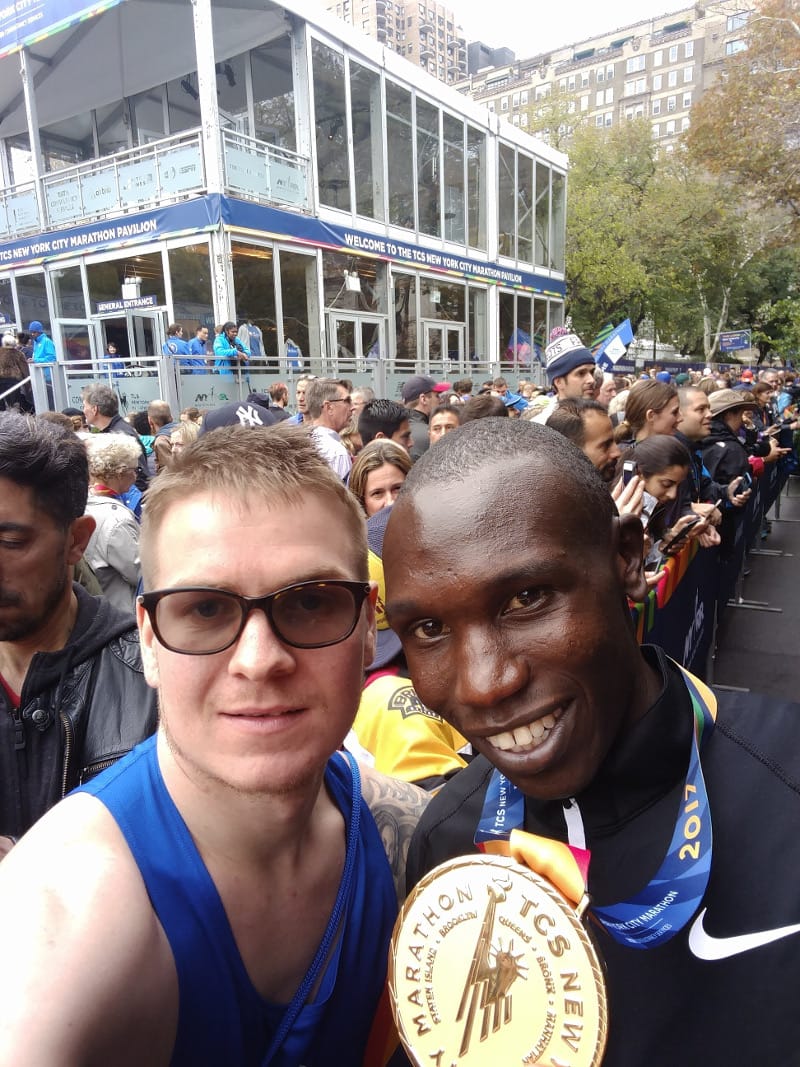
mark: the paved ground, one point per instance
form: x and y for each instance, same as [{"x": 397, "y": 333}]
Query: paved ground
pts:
[{"x": 760, "y": 650}]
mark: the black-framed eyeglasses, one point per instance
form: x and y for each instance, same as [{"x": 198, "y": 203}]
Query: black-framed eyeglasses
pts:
[
  {"x": 341, "y": 400},
  {"x": 199, "y": 620}
]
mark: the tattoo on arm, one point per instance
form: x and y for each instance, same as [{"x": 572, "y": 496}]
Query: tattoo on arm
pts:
[{"x": 396, "y": 807}]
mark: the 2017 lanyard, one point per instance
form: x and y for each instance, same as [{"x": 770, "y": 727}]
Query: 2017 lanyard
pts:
[{"x": 672, "y": 896}]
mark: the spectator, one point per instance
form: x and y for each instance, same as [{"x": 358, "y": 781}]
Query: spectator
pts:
[
  {"x": 586, "y": 423},
  {"x": 570, "y": 371},
  {"x": 161, "y": 424},
  {"x": 175, "y": 344},
  {"x": 594, "y": 737},
  {"x": 279, "y": 400},
  {"x": 607, "y": 390},
  {"x": 72, "y": 693},
  {"x": 463, "y": 389},
  {"x": 238, "y": 863},
  {"x": 651, "y": 408},
  {"x": 385, "y": 419},
  {"x": 483, "y": 406},
  {"x": 113, "y": 549},
  {"x": 190, "y": 415},
  {"x": 724, "y": 453},
  {"x": 228, "y": 350},
  {"x": 300, "y": 399},
  {"x": 361, "y": 397},
  {"x": 442, "y": 422},
  {"x": 378, "y": 475},
  {"x": 44, "y": 351},
  {"x": 184, "y": 434},
  {"x": 328, "y": 407},
  {"x": 13, "y": 370},
  {"x": 419, "y": 396},
  {"x": 700, "y": 492},
  {"x": 101, "y": 411},
  {"x": 116, "y": 364}
]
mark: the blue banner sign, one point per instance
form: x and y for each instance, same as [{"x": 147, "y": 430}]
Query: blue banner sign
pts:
[
  {"x": 733, "y": 340},
  {"x": 23, "y": 22}
]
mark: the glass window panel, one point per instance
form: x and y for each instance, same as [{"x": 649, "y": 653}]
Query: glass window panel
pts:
[
  {"x": 506, "y": 322},
  {"x": 66, "y": 143},
  {"x": 190, "y": 275},
  {"x": 68, "y": 288},
  {"x": 331, "y": 118},
  {"x": 405, "y": 320},
  {"x": 273, "y": 93},
  {"x": 7, "y": 301},
  {"x": 147, "y": 115},
  {"x": 32, "y": 300},
  {"x": 365, "y": 114},
  {"x": 112, "y": 129},
  {"x": 232, "y": 94},
  {"x": 525, "y": 208},
  {"x": 542, "y": 250},
  {"x": 540, "y": 335},
  {"x": 19, "y": 159},
  {"x": 298, "y": 274},
  {"x": 371, "y": 275},
  {"x": 105, "y": 279},
  {"x": 440, "y": 300},
  {"x": 476, "y": 187},
  {"x": 454, "y": 220},
  {"x": 559, "y": 222},
  {"x": 428, "y": 175},
  {"x": 183, "y": 103},
  {"x": 401, "y": 156},
  {"x": 505, "y": 201},
  {"x": 478, "y": 332}
]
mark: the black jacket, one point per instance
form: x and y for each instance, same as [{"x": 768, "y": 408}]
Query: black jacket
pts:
[
  {"x": 699, "y": 487},
  {"x": 420, "y": 442},
  {"x": 119, "y": 425},
  {"x": 81, "y": 709},
  {"x": 666, "y": 1005}
]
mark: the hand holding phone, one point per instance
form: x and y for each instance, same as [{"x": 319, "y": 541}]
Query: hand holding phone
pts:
[{"x": 681, "y": 535}]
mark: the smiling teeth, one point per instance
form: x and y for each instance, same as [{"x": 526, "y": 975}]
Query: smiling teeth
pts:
[{"x": 526, "y": 737}]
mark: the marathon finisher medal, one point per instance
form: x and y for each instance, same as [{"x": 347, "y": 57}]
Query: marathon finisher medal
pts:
[{"x": 490, "y": 965}]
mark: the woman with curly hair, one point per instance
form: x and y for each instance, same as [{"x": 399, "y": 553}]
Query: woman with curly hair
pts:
[{"x": 113, "y": 550}]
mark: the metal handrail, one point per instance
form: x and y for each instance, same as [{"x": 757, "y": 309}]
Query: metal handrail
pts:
[{"x": 14, "y": 388}]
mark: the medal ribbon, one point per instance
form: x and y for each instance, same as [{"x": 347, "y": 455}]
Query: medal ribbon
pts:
[{"x": 671, "y": 897}]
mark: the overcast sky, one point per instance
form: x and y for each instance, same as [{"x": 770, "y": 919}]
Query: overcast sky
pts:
[{"x": 529, "y": 28}]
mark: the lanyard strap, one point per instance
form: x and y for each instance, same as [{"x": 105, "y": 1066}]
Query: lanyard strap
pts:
[{"x": 671, "y": 897}]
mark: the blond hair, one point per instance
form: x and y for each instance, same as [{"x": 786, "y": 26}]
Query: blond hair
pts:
[{"x": 277, "y": 466}]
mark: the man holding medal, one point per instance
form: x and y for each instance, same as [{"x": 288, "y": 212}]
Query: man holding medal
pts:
[{"x": 610, "y": 764}]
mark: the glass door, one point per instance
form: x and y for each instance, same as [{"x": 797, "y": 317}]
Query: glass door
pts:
[
  {"x": 357, "y": 342},
  {"x": 444, "y": 348}
]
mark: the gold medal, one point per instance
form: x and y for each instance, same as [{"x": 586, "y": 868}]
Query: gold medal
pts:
[{"x": 489, "y": 965}]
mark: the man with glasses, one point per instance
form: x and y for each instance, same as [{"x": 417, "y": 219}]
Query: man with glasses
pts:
[
  {"x": 329, "y": 407},
  {"x": 227, "y": 894}
]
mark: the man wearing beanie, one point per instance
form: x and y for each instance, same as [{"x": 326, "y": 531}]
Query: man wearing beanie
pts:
[{"x": 570, "y": 371}]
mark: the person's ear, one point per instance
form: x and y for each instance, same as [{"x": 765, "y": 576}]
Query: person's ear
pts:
[
  {"x": 147, "y": 643},
  {"x": 630, "y": 557},
  {"x": 79, "y": 533}
]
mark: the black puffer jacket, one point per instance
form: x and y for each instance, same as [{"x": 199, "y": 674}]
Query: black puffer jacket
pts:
[{"x": 81, "y": 709}]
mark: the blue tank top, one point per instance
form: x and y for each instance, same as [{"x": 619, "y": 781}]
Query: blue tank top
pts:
[{"x": 222, "y": 1020}]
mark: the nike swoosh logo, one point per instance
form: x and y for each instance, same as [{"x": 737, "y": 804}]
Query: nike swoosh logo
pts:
[{"x": 705, "y": 947}]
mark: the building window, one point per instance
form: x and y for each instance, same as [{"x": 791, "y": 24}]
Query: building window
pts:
[
  {"x": 688, "y": 49},
  {"x": 687, "y": 100},
  {"x": 584, "y": 103},
  {"x": 672, "y": 79},
  {"x": 688, "y": 74},
  {"x": 657, "y": 79},
  {"x": 598, "y": 98},
  {"x": 600, "y": 75},
  {"x": 504, "y": 103},
  {"x": 737, "y": 21},
  {"x": 524, "y": 119},
  {"x": 607, "y": 118},
  {"x": 571, "y": 83},
  {"x": 732, "y": 47},
  {"x": 598, "y": 120},
  {"x": 584, "y": 79},
  {"x": 656, "y": 130},
  {"x": 609, "y": 73},
  {"x": 673, "y": 53},
  {"x": 523, "y": 97},
  {"x": 684, "y": 124},
  {"x": 658, "y": 57},
  {"x": 656, "y": 107},
  {"x": 669, "y": 130},
  {"x": 634, "y": 63},
  {"x": 671, "y": 103},
  {"x": 610, "y": 96},
  {"x": 515, "y": 99}
]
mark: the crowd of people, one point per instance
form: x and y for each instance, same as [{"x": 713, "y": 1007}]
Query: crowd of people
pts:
[{"x": 361, "y": 619}]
